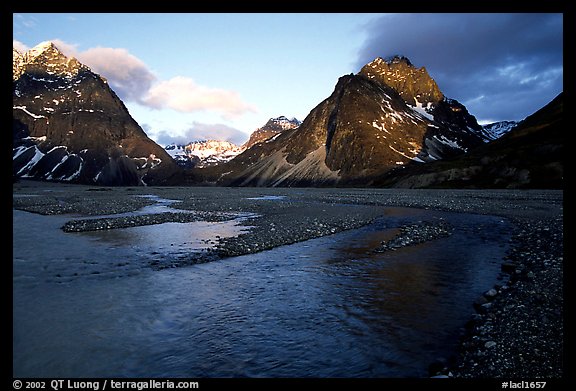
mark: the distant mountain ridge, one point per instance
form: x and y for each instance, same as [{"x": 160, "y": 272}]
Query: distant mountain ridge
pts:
[
  {"x": 273, "y": 127},
  {"x": 388, "y": 125},
  {"x": 530, "y": 155},
  {"x": 498, "y": 129},
  {"x": 203, "y": 153},
  {"x": 384, "y": 117},
  {"x": 207, "y": 153},
  {"x": 68, "y": 125}
]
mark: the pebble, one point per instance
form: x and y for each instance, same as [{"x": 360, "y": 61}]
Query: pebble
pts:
[
  {"x": 415, "y": 234},
  {"x": 514, "y": 315}
]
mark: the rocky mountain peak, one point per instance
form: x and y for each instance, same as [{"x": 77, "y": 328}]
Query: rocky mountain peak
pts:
[
  {"x": 43, "y": 48},
  {"x": 68, "y": 125},
  {"x": 282, "y": 123},
  {"x": 203, "y": 153},
  {"x": 45, "y": 58},
  {"x": 271, "y": 128},
  {"x": 413, "y": 84},
  {"x": 398, "y": 59}
]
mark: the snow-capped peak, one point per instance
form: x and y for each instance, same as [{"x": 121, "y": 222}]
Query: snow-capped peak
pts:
[
  {"x": 283, "y": 122},
  {"x": 45, "y": 57},
  {"x": 40, "y": 49},
  {"x": 207, "y": 152}
]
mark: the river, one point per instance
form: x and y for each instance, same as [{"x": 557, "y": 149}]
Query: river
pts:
[{"x": 87, "y": 305}]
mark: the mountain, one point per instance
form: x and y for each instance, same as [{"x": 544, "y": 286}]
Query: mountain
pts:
[
  {"x": 497, "y": 129},
  {"x": 203, "y": 153},
  {"x": 388, "y": 115},
  {"x": 273, "y": 127},
  {"x": 69, "y": 125},
  {"x": 530, "y": 155},
  {"x": 208, "y": 153}
]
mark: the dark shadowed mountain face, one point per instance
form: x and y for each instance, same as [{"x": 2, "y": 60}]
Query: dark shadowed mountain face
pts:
[
  {"x": 389, "y": 115},
  {"x": 68, "y": 125},
  {"x": 530, "y": 155}
]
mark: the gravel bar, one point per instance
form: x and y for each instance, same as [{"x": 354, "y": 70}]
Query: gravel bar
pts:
[
  {"x": 83, "y": 225},
  {"x": 516, "y": 327},
  {"x": 412, "y": 234}
]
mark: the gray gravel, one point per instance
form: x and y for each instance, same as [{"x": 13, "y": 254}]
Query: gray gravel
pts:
[
  {"x": 412, "y": 234},
  {"x": 517, "y": 330},
  {"x": 83, "y": 225}
]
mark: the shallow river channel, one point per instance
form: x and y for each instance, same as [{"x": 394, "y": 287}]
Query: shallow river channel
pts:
[{"x": 87, "y": 305}]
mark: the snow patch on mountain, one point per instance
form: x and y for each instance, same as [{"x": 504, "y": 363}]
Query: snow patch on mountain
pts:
[
  {"x": 496, "y": 130},
  {"x": 203, "y": 153},
  {"x": 67, "y": 121},
  {"x": 423, "y": 111}
]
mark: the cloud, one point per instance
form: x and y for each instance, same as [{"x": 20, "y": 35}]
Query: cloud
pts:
[
  {"x": 128, "y": 75},
  {"x": 133, "y": 81},
  {"x": 502, "y": 66},
  {"x": 69, "y": 49},
  {"x": 22, "y": 48},
  {"x": 185, "y": 95},
  {"x": 198, "y": 131}
]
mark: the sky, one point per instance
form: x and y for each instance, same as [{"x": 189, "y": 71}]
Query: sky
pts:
[{"x": 185, "y": 77}]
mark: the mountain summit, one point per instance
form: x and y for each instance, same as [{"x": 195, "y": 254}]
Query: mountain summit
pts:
[
  {"x": 203, "y": 153},
  {"x": 69, "y": 125},
  {"x": 45, "y": 58},
  {"x": 271, "y": 128},
  {"x": 389, "y": 115},
  {"x": 413, "y": 84}
]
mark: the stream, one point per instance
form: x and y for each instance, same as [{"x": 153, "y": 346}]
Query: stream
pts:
[{"x": 88, "y": 305}]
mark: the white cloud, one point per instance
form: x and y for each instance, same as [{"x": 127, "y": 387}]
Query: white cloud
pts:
[
  {"x": 133, "y": 81},
  {"x": 127, "y": 74},
  {"x": 69, "y": 49},
  {"x": 19, "y": 46},
  {"x": 185, "y": 95},
  {"x": 198, "y": 131}
]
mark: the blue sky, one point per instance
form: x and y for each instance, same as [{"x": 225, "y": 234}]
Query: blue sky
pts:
[{"x": 189, "y": 76}]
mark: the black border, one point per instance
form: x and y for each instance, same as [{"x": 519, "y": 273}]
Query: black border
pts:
[{"x": 488, "y": 6}]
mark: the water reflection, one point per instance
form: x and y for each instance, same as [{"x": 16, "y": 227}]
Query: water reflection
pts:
[
  {"x": 328, "y": 307},
  {"x": 170, "y": 237}
]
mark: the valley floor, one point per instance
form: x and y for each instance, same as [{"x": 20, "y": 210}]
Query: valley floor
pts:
[{"x": 517, "y": 332}]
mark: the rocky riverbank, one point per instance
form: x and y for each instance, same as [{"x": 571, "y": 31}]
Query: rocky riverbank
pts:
[{"x": 517, "y": 330}]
